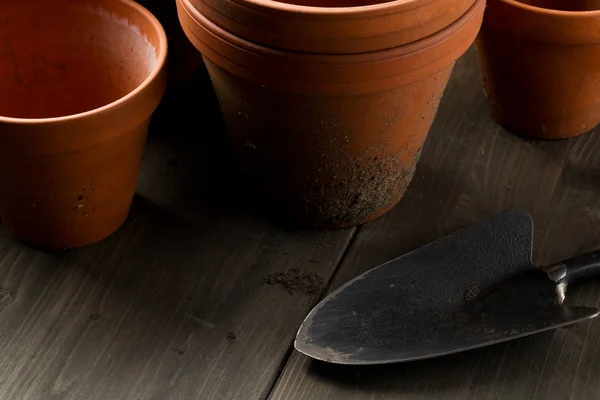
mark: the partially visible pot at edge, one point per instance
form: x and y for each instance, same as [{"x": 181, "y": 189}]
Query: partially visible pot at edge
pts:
[{"x": 540, "y": 66}]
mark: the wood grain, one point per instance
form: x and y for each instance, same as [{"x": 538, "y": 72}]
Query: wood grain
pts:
[
  {"x": 470, "y": 169},
  {"x": 172, "y": 306}
]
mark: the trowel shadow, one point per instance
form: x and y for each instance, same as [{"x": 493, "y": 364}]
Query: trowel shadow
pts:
[{"x": 465, "y": 373}]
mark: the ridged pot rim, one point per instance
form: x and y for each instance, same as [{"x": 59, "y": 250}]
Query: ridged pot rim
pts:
[
  {"x": 548, "y": 11},
  {"x": 331, "y": 74},
  {"x": 541, "y": 25},
  {"x": 161, "y": 60},
  {"x": 345, "y": 12},
  {"x": 351, "y": 58}
]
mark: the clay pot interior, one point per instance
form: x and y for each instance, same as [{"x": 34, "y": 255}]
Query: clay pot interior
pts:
[
  {"x": 334, "y": 3},
  {"x": 66, "y": 58},
  {"x": 564, "y": 5}
]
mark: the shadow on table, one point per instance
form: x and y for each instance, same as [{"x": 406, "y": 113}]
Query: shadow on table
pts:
[
  {"x": 188, "y": 144},
  {"x": 452, "y": 374}
]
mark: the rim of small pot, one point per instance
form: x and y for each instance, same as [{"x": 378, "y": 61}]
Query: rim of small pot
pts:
[
  {"x": 331, "y": 73},
  {"x": 332, "y": 30},
  {"x": 145, "y": 96},
  {"x": 542, "y": 24}
]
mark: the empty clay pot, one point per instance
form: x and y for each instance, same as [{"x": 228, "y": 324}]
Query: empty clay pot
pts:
[
  {"x": 79, "y": 82},
  {"x": 332, "y": 26},
  {"x": 539, "y": 61},
  {"x": 333, "y": 140}
]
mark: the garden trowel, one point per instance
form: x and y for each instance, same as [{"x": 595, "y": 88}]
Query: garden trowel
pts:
[{"x": 473, "y": 288}]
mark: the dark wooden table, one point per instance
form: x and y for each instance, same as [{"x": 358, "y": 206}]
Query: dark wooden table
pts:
[{"x": 177, "y": 304}]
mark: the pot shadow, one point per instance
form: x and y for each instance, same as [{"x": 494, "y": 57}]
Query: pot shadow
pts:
[
  {"x": 188, "y": 135},
  {"x": 581, "y": 178},
  {"x": 576, "y": 192},
  {"x": 577, "y": 154},
  {"x": 582, "y": 169},
  {"x": 159, "y": 266}
]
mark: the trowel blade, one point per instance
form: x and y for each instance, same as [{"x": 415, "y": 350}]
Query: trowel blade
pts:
[{"x": 421, "y": 305}]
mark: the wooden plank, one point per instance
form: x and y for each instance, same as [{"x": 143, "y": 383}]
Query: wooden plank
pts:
[
  {"x": 470, "y": 169},
  {"x": 174, "y": 305}
]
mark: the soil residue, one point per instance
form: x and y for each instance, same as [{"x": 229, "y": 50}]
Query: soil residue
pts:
[
  {"x": 327, "y": 161},
  {"x": 231, "y": 337},
  {"x": 471, "y": 292},
  {"x": 295, "y": 282}
]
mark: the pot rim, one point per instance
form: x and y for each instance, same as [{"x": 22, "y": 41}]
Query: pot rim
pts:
[
  {"x": 314, "y": 11},
  {"x": 349, "y": 58},
  {"x": 548, "y": 11},
  {"x": 161, "y": 61}
]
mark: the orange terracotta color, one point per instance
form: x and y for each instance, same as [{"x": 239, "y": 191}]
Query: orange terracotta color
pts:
[
  {"x": 79, "y": 82},
  {"x": 540, "y": 66},
  {"x": 332, "y": 26},
  {"x": 332, "y": 140}
]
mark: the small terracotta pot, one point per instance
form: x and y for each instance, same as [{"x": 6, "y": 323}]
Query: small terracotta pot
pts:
[
  {"x": 332, "y": 139},
  {"x": 540, "y": 66},
  {"x": 332, "y": 26},
  {"x": 79, "y": 82}
]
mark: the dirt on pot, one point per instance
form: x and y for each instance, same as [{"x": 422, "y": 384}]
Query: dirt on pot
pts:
[
  {"x": 368, "y": 188},
  {"x": 329, "y": 140},
  {"x": 318, "y": 158}
]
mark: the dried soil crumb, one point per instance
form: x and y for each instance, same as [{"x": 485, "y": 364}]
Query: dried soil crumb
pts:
[
  {"x": 231, "y": 337},
  {"x": 471, "y": 293},
  {"x": 295, "y": 282}
]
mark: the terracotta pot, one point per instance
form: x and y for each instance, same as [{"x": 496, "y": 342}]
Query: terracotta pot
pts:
[
  {"x": 183, "y": 59},
  {"x": 540, "y": 66},
  {"x": 79, "y": 82},
  {"x": 324, "y": 26},
  {"x": 332, "y": 139}
]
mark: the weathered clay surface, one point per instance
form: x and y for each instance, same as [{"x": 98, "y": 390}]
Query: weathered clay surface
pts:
[{"x": 329, "y": 161}]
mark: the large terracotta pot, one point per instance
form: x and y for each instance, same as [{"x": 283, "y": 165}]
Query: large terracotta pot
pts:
[
  {"x": 540, "y": 66},
  {"x": 332, "y": 26},
  {"x": 80, "y": 80},
  {"x": 332, "y": 139}
]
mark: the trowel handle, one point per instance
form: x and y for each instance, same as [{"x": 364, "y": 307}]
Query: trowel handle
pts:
[{"x": 580, "y": 268}]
